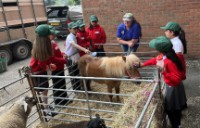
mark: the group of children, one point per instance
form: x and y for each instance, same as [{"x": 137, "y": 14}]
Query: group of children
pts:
[{"x": 46, "y": 56}]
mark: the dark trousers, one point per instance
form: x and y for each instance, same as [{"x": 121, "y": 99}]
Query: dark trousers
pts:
[
  {"x": 102, "y": 52},
  {"x": 174, "y": 117},
  {"x": 59, "y": 83},
  {"x": 74, "y": 71}
]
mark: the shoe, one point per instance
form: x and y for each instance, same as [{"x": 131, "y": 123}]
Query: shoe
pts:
[{"x": 50, "y": 111}]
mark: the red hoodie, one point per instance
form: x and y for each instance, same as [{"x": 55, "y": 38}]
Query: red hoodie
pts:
[
  {"x": 172, "y": 75},
  {"x": 97, "y": 35},
  {"x": 83, "y": 40}
]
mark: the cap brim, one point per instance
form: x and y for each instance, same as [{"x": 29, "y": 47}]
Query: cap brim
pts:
[
  {"x": 94, "y": 20},
  {"x": 54, "y": 32},
  {"x": 164, "y": 28},
  {"x": 81, "y": 25},
  {"x": 152, "y": 44},
  {"x": 126, "y": 19}
]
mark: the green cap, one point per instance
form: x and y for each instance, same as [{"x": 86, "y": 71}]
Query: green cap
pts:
[
  {"x": 80, "y": 23},
  {"x": 161, "y": 43},
  {"x": 72, "y": 25},
  {"x": 93, "y": 18},
  {"x": 128, "y": 17},
  {"x": 172, "y": 26},
  {"x": 43, "y": 30},
  {"x": 53, "y": 30}
]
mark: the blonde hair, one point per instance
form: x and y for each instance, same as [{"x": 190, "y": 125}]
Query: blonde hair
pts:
[
  {"x": 42, "y": 49},
  {"x": 116, "y": 66}
]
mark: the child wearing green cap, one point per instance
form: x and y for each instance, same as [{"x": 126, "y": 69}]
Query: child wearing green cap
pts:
[
  {"x": 72, "y": 51},
  {"x": 97, "y": 35},
  {"x": 58, "y": 83},
  {"x": 82, "y": 37},
  {"x": 174, "y": 71},
  {"x": 43, "y": 59},
  {"x": 177, "y": 36}
]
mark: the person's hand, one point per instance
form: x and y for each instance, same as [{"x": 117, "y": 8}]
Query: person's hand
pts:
[
  {"x": 52, "y": 67},
  {"x": 87, "y": 51},
  {"x": 160, "y": 64},
  {"x": 137, "y": 64},
  {"x": 130, "y": 44},
  {"x": 65, "y": 56}
]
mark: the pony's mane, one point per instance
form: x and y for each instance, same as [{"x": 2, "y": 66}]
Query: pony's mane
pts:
[{"x": 115, "y": 66}]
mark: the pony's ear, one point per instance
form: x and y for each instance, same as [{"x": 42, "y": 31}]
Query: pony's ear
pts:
[{"x": 124, "y": 58}]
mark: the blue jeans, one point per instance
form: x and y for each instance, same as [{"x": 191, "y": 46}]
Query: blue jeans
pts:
[{"x": 126, "y": 47}]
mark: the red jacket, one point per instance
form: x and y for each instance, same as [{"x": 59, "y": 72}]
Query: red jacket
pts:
[
  {"x": 83, "y": 40},
  {"x": 41, "y": 66},
  {"x": 172, "y": 75},
  {"x": 97, "y": 35},
  {"x": 57, "y": 56}
]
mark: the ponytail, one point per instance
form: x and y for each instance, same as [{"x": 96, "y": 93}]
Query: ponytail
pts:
[
  {"x": 181, "y": 35},
  {"x": 174, "y": 58},
  {"x": 183, "y": 40}
]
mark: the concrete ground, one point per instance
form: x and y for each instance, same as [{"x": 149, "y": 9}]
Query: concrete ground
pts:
[{"x": 191, "y": 116}]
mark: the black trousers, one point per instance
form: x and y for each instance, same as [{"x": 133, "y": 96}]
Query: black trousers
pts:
[
  {"x": 59, "y": 83},
  {"x": 74, "y": 71},
  {"x": 174, "y": 117}
]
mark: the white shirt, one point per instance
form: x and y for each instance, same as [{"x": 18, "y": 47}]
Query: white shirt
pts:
[
  {"x": 70, "y": 50},
  {"x": 177, "y": 45}
]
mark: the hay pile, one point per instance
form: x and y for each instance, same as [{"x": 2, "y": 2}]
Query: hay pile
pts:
[
  {"x": 136, "y": 101},
  {"x": 133, "y": 107}
]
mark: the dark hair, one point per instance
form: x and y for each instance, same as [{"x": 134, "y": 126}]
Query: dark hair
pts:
[
  {"x": 181, "y": 35},
  {"x": 174, "y": 58},
  {"x": 135, "y": 21}
]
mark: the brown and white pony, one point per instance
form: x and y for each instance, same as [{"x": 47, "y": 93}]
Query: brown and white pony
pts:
[{"x": 110, "y": 67}]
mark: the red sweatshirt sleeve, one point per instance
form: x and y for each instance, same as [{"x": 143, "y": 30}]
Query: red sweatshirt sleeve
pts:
[
  {"x": 55, "y": 60},
  {"x": 150, "y": 62}
]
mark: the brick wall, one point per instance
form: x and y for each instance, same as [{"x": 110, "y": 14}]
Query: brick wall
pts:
[{"x": 151, "y": 14}]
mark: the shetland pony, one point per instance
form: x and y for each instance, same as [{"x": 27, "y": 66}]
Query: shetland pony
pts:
[{"x": 110, "y": 67}]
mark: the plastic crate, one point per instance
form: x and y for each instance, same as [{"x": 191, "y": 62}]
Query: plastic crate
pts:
[{"x": 3, "y": 65}]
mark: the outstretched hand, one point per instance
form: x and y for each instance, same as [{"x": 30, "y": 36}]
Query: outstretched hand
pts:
[
  {"x": 137, "y": 64},
  {"x": 87, "y": 51}
]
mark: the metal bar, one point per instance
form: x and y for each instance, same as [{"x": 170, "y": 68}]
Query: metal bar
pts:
[
  {"x": 32, "y": 122},
  {"x": 71, "y": 114},
  {"x": 151, "y": 117},
  {"x": 91, "y": 92},
  {"x": 12, "y": 83},
  {"x": 33, "y": 10},
  {"x": 20, "y": 14},
  {"x": 87, "y": 99},
  {"x": 146, "y": 106},
  {"x": 5, "y": 20},
  {"x": 79, "y": 108},
  {"x": 94, "y": 101},
  {"x": 117, "y": 44},
  {"x": 93, "y": 78},
  {"x": 14, "y": 98}
]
